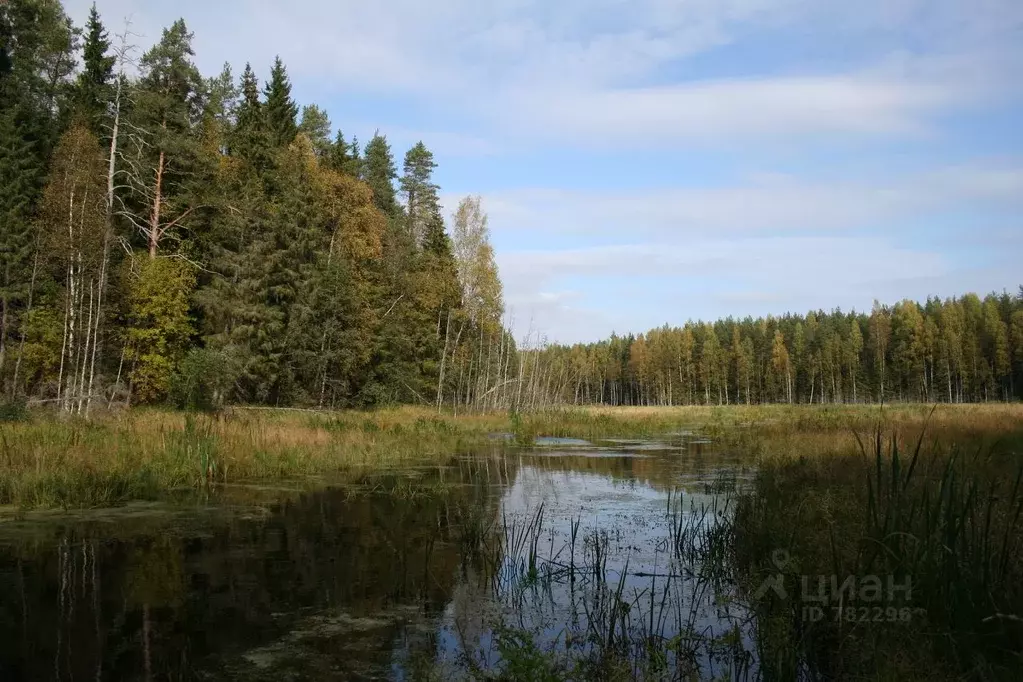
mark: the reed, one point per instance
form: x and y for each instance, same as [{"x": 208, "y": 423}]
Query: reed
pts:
[
  {"x": 939, "y": 510},
  {"x": 595, "y": 614}
]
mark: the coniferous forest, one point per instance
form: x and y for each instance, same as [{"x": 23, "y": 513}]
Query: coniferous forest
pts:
[
  {"x": 964, "y": 349},
  {"x": 172, "y": 236}
]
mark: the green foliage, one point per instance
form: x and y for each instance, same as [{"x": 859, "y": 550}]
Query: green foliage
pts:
[
  {"x": 522, "y": 659},
  {"x": 344, "y": 158},
  {"x": 280, "y": 112},
  {"x": 315, "y": 125},
  {"x": 93, "y": 89},
  {"x": 330, "y": 286},
  {"x": 203, "y": 381},
  {"x": 13, "y": 409},
  {"x": 422, "y": 208},
  {"x": 160, "y": 327},
  {"x": 963, "y": 349},
  {"x": 379, "y": 173}
]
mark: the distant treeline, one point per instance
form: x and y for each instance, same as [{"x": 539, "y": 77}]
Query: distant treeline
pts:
[
  {"x": 958, "y": 350},
  {"x": 204, "y": 239}
]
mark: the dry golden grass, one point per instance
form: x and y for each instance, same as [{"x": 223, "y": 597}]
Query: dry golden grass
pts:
[{"x": 52, "y": 461}]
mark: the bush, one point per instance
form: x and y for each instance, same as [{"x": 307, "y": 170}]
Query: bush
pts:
[
  {"x": 203, "y": 380},
  {"x": 13, "y": 410}
]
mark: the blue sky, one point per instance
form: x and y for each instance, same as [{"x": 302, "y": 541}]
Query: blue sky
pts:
[{"x": 652, "y": 161}]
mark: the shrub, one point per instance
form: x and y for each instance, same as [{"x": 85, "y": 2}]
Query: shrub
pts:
[{"x": 203, "y": 380}]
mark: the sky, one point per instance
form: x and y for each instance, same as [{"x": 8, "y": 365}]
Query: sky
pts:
[{"x": 646, "y": 162}]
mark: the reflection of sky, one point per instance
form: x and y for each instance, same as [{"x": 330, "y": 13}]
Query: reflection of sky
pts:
[{"x": 633, "y": 514}]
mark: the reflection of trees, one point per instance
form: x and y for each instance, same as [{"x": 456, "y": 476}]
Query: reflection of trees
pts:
[
  {"x": 165, "y": 605},
  {"x": 660, "y": 471}
]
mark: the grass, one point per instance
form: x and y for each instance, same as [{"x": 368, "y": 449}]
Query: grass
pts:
[
  {"x": 142, "y": 454},
  {"x": 48, "y": 461},
  {"x": 935, "y": 506}
]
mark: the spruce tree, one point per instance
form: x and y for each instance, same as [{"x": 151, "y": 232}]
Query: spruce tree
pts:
[
  {"x": 281, "y": 111},
  {"x": 20, "y": 179},
  {"x": 379, "y": 174},
  {"x": 343, "y": 157},
  {"x": 93, "y": 89},
  {"x": 219, "y": 111},
  {"x": 358, "y": 164},
  {"x": 36, "y": 63},
  {"x": 249, "y": 140},
  {"x": 339, "y": 156}
]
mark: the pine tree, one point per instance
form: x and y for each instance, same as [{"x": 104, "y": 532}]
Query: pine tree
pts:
[
  {"x": 281, "y": 111},
  {"x": 419, "y": 192},
  {"x": 219, "y": 112},
  {"x": 316, "y": 126},
  {"x": 169, "y": 104}
]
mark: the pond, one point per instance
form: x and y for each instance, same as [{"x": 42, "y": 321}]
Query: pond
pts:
[{"x": 563, "y": 557}]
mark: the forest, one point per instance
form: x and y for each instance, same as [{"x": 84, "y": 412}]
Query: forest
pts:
[
  {"x": 963, "y": 349},
  {"x": 170, "y": 237}
]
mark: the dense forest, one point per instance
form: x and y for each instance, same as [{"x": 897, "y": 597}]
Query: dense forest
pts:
[
  {"x": 959, "y": 350},
  {"x": 166, "y": 235},
  {"x": 169, "y": 236}
]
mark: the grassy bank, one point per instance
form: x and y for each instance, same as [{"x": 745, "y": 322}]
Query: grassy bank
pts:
[
  {"x": 141, "y": 454},
  {"x": 49, "y": 461}
]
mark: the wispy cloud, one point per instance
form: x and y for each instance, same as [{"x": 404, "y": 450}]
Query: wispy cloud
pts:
[
  {"x": 778, "y": 203},
  {"x": 589, "y": 72}
]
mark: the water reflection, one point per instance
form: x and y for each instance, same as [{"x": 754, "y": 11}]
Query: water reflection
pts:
[{"x": 362, "y": 581}]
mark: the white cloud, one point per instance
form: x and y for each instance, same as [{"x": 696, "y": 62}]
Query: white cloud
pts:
[
  {"x": 645, "y": 285},
  {"x": 732, "y": 111},
  {"x": 583, "y": 71},
  {"x": 767, "y": 203},
  {"x": 775, "y": 245}
]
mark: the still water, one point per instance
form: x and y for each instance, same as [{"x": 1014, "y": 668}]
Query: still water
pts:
[{"x": 402, "y": 574}]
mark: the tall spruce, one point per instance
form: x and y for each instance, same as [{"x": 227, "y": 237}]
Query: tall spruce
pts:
[
  {"x": 93, "y": 89},
  {"x": 281, "y": 112},
  {"x": 36, "y": 65},
  {"x": 343, "y": 157},
  {"x": 380, "y": 173}
]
